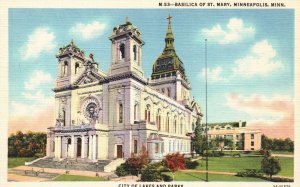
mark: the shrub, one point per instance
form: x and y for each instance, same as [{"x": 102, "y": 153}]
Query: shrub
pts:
[
  {"x": 250, "y": 173},
  {"x": 189, "y": 164},
  {"x": 151, "y": 173},
  {"x": 265, "y": 152},
  {"x": 138, "y": 162},
  {"x": 174, "y": 161},
  {"x": 215, "y": 154},
  {"x": 166, "y": 178},
  {"x": 278, "y": 179},
  {"x": 133, "y": 165},
  {"x": 121, "y": 170}
]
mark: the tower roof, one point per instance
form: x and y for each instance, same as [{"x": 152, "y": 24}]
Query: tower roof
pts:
[
  {"x": 71, "y": 48},
  {"x": 168, "y": 63},
  {"x": 126, "y": 29}
]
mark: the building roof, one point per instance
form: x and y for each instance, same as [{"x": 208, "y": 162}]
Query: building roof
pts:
[{"x": 232, "y": 124}]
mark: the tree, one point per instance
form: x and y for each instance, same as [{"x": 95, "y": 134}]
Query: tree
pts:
[
  {"x": 277, "y": 144},
  {"x": 27, "y": 144},
  {"x": 174, "y": 162},
  {"x": 270, "y": 165},
  {"x": 199, "y": 139}
]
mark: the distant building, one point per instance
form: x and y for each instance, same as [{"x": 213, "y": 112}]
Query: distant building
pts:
[{"x": 242, "y": 137}]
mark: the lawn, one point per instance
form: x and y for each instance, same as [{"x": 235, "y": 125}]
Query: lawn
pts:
[
  {"x": 18, "y": 161},
  {"x": 193, "y": 176},
  {"x": 77, "y": 178},
  {"x": 236, "y": 164}
]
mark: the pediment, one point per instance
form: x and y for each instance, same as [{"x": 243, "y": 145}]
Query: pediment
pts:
[{"x": 88, "y": 77}]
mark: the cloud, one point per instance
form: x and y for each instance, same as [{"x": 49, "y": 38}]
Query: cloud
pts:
[
  {"x": 260, "y": 62},
  {"x": 214, "y": 75},
  {"x": 38, "y": 78},
  {"x": 234, "y": 32},
  {"x": 273, "y": 115},
  {"x": 88, "y": 31},
  {"x": 35, "y": 109},
  {"x": 41, "y": 40}
]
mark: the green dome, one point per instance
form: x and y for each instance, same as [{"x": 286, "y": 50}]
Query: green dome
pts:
[{"x": 168, "y": 63}]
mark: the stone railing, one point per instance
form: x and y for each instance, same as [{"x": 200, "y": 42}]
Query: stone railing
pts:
[{"x": 74, "y": 127}]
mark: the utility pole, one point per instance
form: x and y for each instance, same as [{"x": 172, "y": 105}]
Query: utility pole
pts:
[{"x": 206, "y": 129}]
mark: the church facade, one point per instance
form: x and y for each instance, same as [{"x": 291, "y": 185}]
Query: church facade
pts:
[{"x": 107, "y": 115}]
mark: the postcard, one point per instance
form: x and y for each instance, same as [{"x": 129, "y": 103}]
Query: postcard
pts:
[{"x": 150, "y": 94}]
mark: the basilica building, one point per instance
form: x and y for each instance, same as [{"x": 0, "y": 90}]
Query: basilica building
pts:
[{"x": 106, "y": 115}]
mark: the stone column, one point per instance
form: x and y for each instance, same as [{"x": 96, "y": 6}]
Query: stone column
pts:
[
  {"x": 82, "y": 146},
  {"x": 73, "y": 146},
  {"x": 90, "y": 146},
  {"x": 55, "y": 148},
  {"x": 59, "y": 147},
  {"x": 94, "y": 146},
  {"x": 48, "y": 145}
]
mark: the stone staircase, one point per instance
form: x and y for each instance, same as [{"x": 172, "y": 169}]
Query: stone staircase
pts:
[{"x": 72, "y": 164}]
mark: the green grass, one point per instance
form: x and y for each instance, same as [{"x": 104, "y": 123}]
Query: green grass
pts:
[
  {"x": 18, "y": 161},
  {"x": 193, "y": 176},
  {"x": 65, "y": 177},
  {"x": 232, "y": 164}
]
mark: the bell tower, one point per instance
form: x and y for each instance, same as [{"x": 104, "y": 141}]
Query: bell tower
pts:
[
  {"x": 126, "y": 50},
  {"x": 70, "y": 64},
  {"x": 168, "y": 73}
]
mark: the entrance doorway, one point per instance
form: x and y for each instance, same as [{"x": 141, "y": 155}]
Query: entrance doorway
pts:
[
  {"x": 69, "y": 148},
  {"x": 79, "y": 147},
  {"x": 119, "y": 151}
]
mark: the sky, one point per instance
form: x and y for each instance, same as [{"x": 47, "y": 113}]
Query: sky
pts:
[{"x": 250, "y": 59}]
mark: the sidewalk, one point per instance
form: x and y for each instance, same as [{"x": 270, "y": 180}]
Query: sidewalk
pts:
[
  {"x": 283, "y": 155},
  {"x": 21, "y": 178},
  {"x": 63, "y": 171}
]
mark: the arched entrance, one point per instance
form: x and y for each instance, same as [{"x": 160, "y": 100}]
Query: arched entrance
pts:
[
  {"x": 119, "y": 151},
  {"x": 79, "y": 142},
  {"x": 69, "y": 148}
]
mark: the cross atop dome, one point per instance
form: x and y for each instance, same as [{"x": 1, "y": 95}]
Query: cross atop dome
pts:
[{"x": 169, "y": 18}]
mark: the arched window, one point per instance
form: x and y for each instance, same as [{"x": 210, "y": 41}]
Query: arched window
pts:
[
  {"x": 175, "y": 126},
  {"x": 181, "y": 126},
  {"x": 134, "y": 52},
  {"x": 53, "y": 147},
  {"x": 135, "y": 146},
  {"x": 147, "y": 113},
  {"x": 64, "y": 116},
  {"x": 158, "y": 119},
  {"x": 169, "y": 92},
  {"x": 168, "y": 123},
  {"x": 122, "y": 51},
  {"x": 65, "y": 71},
  {"x": 76, "y": 67},
  {"x": 120, "y": 113},
  {"x": 135, "y": 111}
]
